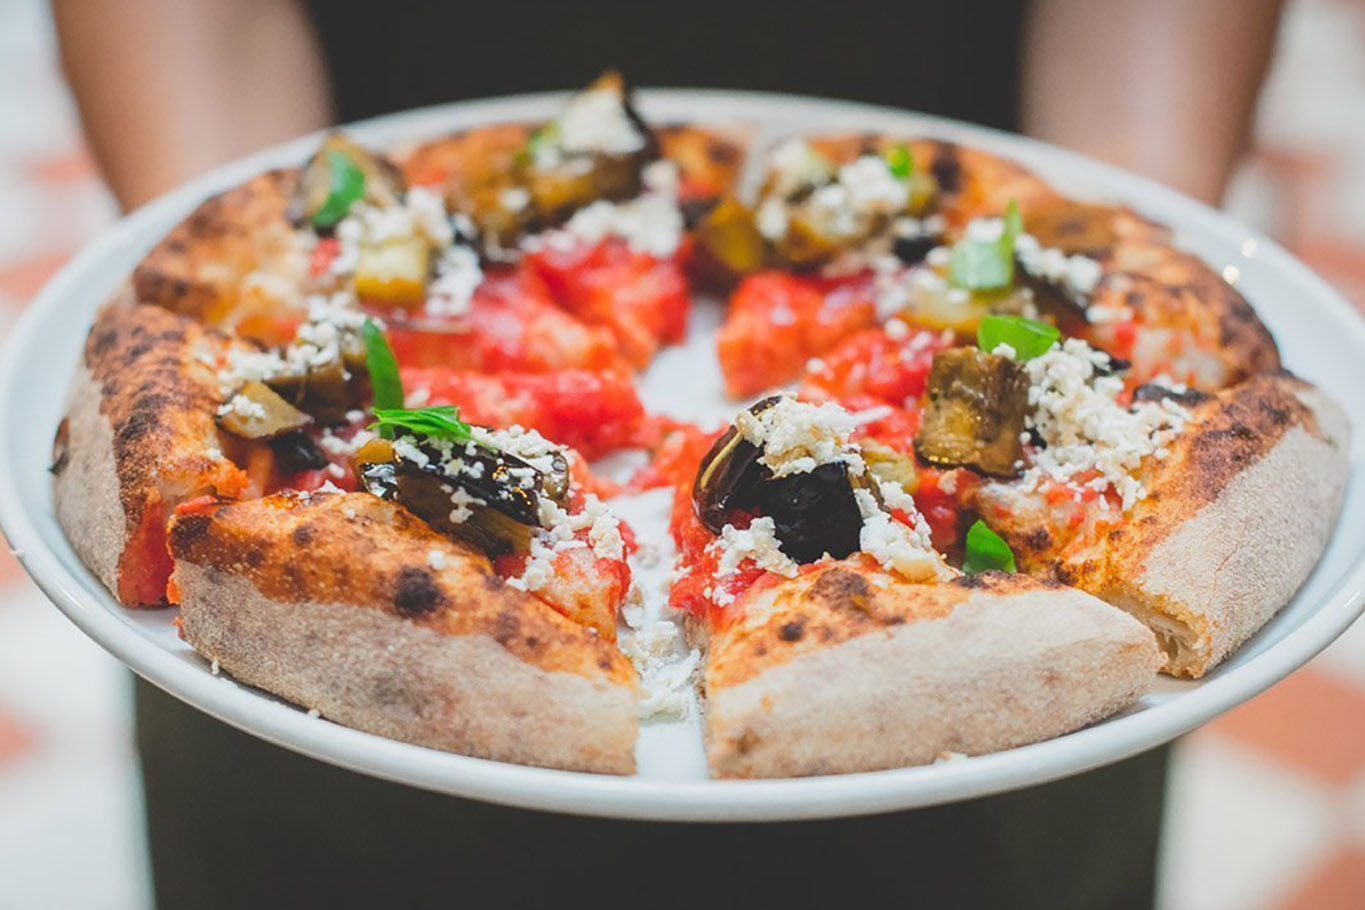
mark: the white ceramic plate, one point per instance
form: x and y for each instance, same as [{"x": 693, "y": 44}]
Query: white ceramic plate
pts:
[{"x": 1320, "y": 335}]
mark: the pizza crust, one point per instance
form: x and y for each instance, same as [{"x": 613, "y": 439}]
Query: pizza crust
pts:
[
  {"x": 376, "y": 672},
  {"x": 1232, "y": 565},
  {"x": 977, "y": 666},
  {"x": 85, "y": 481}
]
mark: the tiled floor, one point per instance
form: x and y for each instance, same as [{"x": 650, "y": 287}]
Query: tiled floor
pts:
[{"x": 1267, "y": 809}]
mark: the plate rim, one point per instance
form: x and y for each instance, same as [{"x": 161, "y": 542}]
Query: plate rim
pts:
[{"x": 634, "y": 797}]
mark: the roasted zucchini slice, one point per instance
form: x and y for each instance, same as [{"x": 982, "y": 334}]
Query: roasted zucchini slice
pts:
[{"x": 974, "y": 416}]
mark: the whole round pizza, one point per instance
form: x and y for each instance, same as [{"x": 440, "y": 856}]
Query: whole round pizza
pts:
[{"x": 996, "y": 458}]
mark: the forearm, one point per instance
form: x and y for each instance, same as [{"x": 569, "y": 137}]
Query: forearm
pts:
[
  {"x": 169, "y": 88},
  {"x": 1166, "y": 88}
]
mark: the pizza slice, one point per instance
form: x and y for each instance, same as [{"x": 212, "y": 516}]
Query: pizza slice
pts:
[
  {"x": 139, "y": 438},
  {"x": 255, "y": 259},
  {"x": 596, "y": 202},
  {"x": 1199, "y": 514},
  {"x": 353, "y": 607},
  {"x": 837, "y": 639},
  {"x": 861, "y": 230}
]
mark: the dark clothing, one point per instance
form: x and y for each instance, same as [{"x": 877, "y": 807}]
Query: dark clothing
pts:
[
  {"x": 958, "y": 59},
  {"x": 235, "y": 822}
]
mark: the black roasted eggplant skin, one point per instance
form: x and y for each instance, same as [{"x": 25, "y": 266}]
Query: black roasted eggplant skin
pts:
[
  {"x": 814, "y": 513},
  {"x": 974, "y": 415},
  {"x": 728, "y": 469},
  {"x": 297, "y": 451}
]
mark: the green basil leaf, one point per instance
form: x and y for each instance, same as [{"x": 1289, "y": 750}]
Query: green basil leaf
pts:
[
  {"x": 437, "y": 422},
  {"x": 1028, "y": 338},
  {"x": 385, "y": 380},
  {"x": 986, "y": 550},
  {"x": 346, "y": 188},
  {"x": 900, "y": 161},
  {"x": 987, "y": 265}
]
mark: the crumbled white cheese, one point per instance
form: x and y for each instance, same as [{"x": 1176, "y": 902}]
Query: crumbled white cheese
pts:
[
  {"x": 758, "y": 542},
  {"x": 458, "y": 276},
  {"x": 650, "y": 223},
  {"x": 243, "y": 407},
  {"x": 797, "y": 437},
  {"x": 1076, "y": 413},
  {"x": 1080, "y": 273},
  {"x": 653, "y": 647},
  {"x": 594, "y": 122},
  {"x": 514, "y": 198},
  {"x": 898, "y": 547}
]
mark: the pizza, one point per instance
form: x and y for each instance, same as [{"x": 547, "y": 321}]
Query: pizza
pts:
[{"x": 996, "y": 457}]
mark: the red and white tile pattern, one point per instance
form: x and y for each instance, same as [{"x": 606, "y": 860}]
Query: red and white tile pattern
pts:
[{"x": 1267, "y": 807}]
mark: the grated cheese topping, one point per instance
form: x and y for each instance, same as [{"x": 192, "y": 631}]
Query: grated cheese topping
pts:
[
  {"x": 797, "y": 437},
  {"x": 458, "y": 276},
  {"x": 758, "y": 542},
  {"x": 650, "y": 223},
  {"x": 1074, "y": 409},
  {"x": 594, "y": 122}
]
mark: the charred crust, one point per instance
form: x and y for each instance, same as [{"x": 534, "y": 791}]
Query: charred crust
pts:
[
  {"x": 189, "y": 530},
  {"x": 947, "y": 168},
  {"x": 416, "y": 593},
  {"x": 61, "y": 447},
  {"x": 843, "y": 590},
  {"x": 303, "y": 535},
  {"x": 722, "y": 153},
  {"x": 792, "y": 631},
  {"x": 505, "y": 627},
  {"x": 1038, "y": 539}
]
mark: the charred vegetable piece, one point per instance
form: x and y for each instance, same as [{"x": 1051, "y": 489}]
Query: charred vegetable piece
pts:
[
  {"x": 341, "y": 174},
  {"x": 975, "y": 413},
  {"x": 913, "y": 250},
  {"x": 728, "y": 236},
  {"x": 1151, "y": 392},
  {"x": 323, "y": 391},
  {"x": 814, "y": 512},
  {"x": 728, "y": 474},
  {"x": 804, "y": 244},
  {"x": 1052, "y": 296},
  {"x": 255, "y": 411},
  {"x": 561, "y": 179},
  {"x": 393, "y": 272},
  {"x": 488, "y": 497},
  {"x": 887, "y": 464},
  {"x": 297, "y": 451}
]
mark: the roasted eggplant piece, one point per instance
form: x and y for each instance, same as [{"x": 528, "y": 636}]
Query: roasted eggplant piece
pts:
[
  {"x": 297, "y": 451},
  {"x": 255, "y": 411},
  {"x": 1050, "y": 296},
  {"x": 490, "y": 498},
  {"x": 975, "y": 413},
  {"x": 729, "y": 242},
  {"x": 326, "y": 392},
  {"x": 562, "y": 177},
  {"x": 330, "y": 185},
  {"x": 728, "y": 472},
  {"x": 814, "y": 512}
]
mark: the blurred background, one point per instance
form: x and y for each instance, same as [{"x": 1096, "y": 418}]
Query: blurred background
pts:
[{"x": 1267, "y": 806}]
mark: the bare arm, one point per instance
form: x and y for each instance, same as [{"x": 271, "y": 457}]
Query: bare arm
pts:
[
  {"x": 170, "y": 88},
  {"x": 1163, "y": 87}
]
